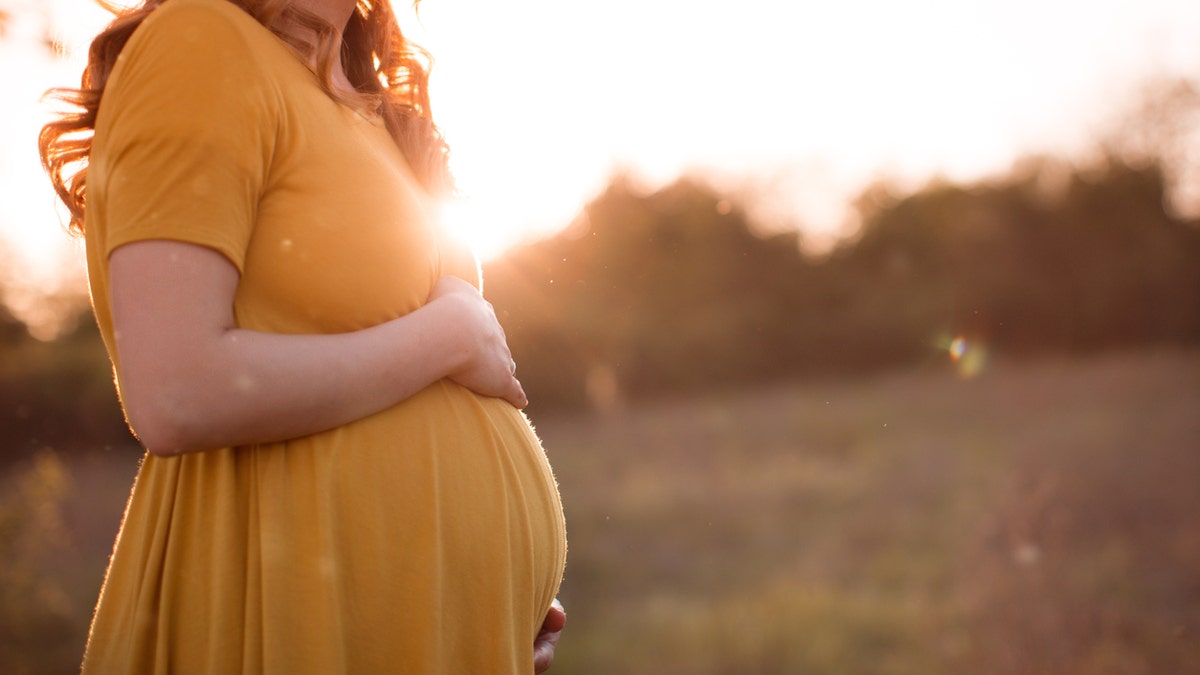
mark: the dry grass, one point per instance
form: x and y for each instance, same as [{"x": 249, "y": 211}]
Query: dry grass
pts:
[{"x": 1039, "y": 518}]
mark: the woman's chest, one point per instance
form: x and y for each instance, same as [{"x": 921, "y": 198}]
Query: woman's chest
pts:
[{"x": 344, "y": 238}]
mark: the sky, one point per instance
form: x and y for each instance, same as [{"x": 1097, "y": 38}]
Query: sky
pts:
[{"x": 797, "y": 104}]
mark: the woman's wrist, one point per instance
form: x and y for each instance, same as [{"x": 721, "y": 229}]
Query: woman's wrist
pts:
[{"x": 446, "y": 338}]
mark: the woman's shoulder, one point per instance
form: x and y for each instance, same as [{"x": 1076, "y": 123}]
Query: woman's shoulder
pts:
[
  {"x": 195, "y": 14},
  {"x": 190, "y": 48},
  {"x": 195, "y": 67},
  {"x": 204, "y": 29}
]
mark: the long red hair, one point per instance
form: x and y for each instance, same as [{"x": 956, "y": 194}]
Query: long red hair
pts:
[{"x": 389, "y": 74}]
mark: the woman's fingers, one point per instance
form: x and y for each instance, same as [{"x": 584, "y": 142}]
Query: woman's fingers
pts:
[
  {"x": 547, "y": 639},
  {"x": 490, "y": 368}
]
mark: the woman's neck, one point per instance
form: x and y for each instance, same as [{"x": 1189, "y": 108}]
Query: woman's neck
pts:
[{"x": 336, "y": 13}]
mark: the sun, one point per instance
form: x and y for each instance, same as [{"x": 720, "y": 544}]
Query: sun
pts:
[
  {"x": 468, "y": 221},
  {"x": 524, "y": 158},
  {"x": 495, "y": 211}
]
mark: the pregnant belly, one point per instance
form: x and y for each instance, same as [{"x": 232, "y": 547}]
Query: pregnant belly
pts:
[
  {"x": 428, "y": 532},
  {"x": 461, "y": 487}
]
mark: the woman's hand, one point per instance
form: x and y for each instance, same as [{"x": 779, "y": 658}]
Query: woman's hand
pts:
[
  {"x": 488, "y": 367},
  {"x": 547, "y": 639}
]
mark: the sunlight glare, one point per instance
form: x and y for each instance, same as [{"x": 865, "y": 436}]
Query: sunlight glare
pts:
[{"x": 467, "y": 222}]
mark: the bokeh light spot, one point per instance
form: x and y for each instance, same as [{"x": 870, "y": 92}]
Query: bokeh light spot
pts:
[
  {"x": 969, "y": 355},
  {"x": 958, "y": 348}
]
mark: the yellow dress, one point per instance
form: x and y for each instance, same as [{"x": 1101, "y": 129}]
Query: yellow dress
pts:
[{"x": 427, "y": 538}]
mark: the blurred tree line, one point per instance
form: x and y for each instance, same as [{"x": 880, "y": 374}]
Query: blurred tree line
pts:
[
  {"x": 676, "y": 290},
  {"x": 661, "y": 292}
]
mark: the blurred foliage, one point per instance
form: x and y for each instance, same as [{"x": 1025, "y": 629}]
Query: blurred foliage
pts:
[
  {"x": 672, "y": 290},
  {"x": 55, "y": 394},
  {"x": 666, "y": 289},
  {"x": 37, "y": 616},
  {"x": 1163, "y": 128}
]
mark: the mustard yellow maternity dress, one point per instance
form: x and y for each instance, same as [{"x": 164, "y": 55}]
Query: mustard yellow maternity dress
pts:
[{"x": 427, "y": 538}]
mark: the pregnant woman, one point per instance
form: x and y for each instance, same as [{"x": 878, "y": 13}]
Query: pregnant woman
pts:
[{"x": 339, "y": 476}]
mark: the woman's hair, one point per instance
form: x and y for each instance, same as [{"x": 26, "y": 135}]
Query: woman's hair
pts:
[{"x": 389, "y": 73}]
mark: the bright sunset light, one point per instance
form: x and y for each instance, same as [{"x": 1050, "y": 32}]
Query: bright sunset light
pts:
[{"x": 796, "y": 105}]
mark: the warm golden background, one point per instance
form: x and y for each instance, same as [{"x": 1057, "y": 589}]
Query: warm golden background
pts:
[{"x": 864, "y": 337}]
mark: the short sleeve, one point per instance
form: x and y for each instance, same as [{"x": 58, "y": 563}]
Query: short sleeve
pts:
[{"x": 185, "y": 133}]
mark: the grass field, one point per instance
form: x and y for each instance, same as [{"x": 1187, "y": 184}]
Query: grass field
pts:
[{"x": 1038, "y": 518}]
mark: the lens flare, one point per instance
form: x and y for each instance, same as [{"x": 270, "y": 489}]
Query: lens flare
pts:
[
  {"x": 969, "y": 356},
  {"x": 958, "y": 348}
]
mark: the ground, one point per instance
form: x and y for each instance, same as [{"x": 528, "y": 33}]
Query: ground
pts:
[{"x": 1036, "y": 518}]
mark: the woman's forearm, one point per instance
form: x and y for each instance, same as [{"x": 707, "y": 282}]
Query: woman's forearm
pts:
[
  {"x": 191, "y": 380},
  {"x": 241, "y": 387}
]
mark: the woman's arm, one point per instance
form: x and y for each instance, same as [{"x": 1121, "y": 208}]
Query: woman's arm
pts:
[{"x": 192, "y": 381}]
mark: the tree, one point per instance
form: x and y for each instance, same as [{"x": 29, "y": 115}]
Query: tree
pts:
[{"x": 1163, "y": 129}]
